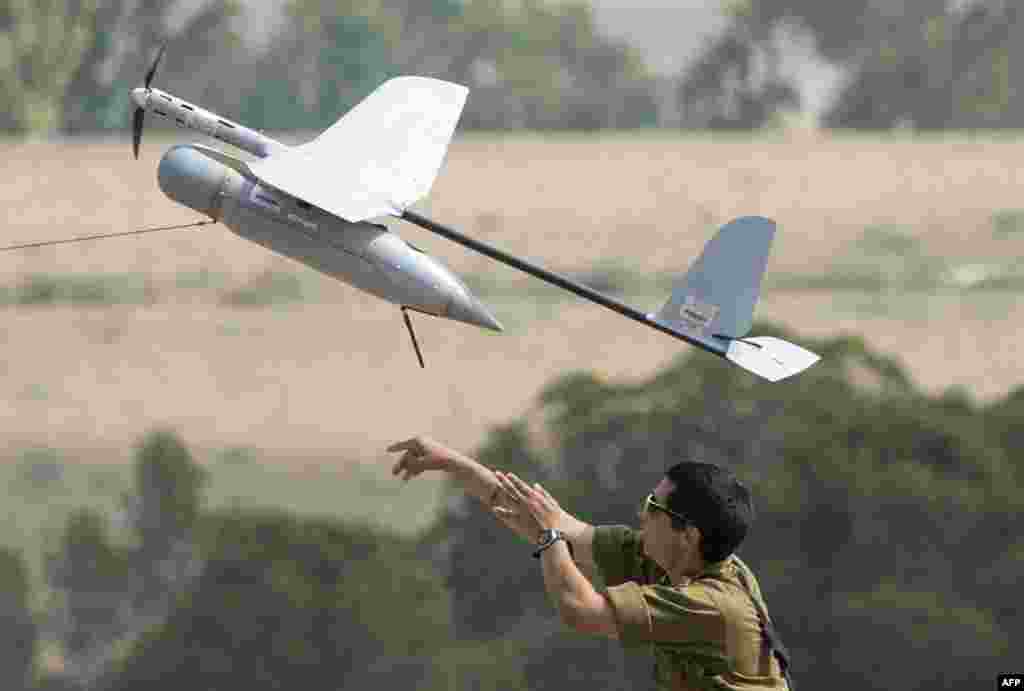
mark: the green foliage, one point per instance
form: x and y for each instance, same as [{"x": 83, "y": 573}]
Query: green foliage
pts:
[
  {"x": 927, "y": 628},
  {"x": 284, "y": 601},
  {"x": 97, "y": 94},
  {"x": 354, "y": 61},
  {"x": 78, "y": 289},
  {"x": 91, "y": 574},
  {"x": 927, "y": 64},
  {"x": 275, "y": 104},
  {"x": 105, "y": 593},
  {"x": 266, "y": 289},
  {"x": 40, "y": 471},
  {"x": 42, "y": 487},
  {"x": 168, "y": 485},
  {"x": 41, "y": 48},
  {"x": 1007, "y": 222},
  {"x": 18, "y": 631},
  {"x": 531, "y": 64}
]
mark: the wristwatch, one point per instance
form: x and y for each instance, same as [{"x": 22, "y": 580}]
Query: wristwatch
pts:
[{"x": 549, "y": 537}]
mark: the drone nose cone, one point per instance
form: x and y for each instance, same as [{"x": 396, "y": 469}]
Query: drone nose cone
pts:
[
  {"x": 140, "y": 96},
  {"x": 192, "y": 178},
  {"x": 464, "y": 307}
]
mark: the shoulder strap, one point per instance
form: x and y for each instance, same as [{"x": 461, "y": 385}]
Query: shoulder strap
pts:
[{"x": 771, "y": 636}]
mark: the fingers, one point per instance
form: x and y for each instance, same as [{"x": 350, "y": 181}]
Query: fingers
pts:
[
  {"x": 404, "y": 465},
  {"x": 421, "y": 444},
  {"x": 400, "y": 465},
  {"x": 506, "y": 515},
  {"x": 530, "y": 499},
  {"x": 521, "y": 487},
  {"x": 403, "y": 445},
  {"x": 507, "y": 484}
]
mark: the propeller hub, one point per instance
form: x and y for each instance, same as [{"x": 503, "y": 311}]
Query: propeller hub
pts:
[{"x": 140, "y": 96}]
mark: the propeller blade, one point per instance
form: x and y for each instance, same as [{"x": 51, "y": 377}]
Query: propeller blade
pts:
[
  {"x": 140, "y": 113},
  {"x": 152, "y": 69},
  {"x": 137, "y": 119}
]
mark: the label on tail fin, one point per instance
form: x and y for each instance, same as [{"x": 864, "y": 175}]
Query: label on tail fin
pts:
[{"x": 695, "y": 316}]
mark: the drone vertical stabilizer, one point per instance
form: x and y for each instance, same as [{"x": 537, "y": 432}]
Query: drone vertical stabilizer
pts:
[
  {"x": 380, "y": 157},
  {"x": 718, "y": 294}
]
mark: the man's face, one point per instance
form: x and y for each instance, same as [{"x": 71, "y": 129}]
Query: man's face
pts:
[{"x": 661, "y": 542}]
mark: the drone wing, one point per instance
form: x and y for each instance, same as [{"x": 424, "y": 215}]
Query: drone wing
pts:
[{"x": 380, "y": 157}]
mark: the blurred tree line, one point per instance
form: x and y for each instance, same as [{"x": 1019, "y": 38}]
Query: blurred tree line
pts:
[
  {"x": 925, "y": 64},
  {"x": 887, "y": 545},
  {"x": 68, "y": 65},
  {"x": 531, "y": 64}
]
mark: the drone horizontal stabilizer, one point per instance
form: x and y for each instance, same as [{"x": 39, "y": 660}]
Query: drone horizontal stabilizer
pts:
[
  {"x": 771, "y": 358},
  {"x": 380, "y": 157}
]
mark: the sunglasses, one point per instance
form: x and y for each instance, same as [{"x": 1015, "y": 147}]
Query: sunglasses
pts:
[{"x": 650, "y": 504}]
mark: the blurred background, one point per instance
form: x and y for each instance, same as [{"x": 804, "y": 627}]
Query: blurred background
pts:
[{"x": 192, "y": 429}]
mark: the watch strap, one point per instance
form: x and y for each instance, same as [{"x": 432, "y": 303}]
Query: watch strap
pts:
[{"x": 548, "y": 539}]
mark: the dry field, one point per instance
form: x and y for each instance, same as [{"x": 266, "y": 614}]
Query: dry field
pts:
[{"x": 337, "y": 378}]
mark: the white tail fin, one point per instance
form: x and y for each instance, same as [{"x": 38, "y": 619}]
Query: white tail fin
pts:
[
  {"x": 718, "y": 294},
  {"x": 771, "y": 358},
  {"x": 380, "y": 157}
]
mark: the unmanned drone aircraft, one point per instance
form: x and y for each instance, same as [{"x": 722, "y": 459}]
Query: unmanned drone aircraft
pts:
[{"x": 314, "y": 203}]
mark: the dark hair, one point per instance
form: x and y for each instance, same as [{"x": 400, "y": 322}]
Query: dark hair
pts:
[{"x": 714, "y": 501}]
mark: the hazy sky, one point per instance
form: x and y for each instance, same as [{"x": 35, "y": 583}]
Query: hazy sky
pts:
[{"x": 668, "y": 32}]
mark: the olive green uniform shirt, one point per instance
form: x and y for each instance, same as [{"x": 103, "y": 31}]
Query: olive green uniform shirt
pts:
[{"x": 705, "y": 633}]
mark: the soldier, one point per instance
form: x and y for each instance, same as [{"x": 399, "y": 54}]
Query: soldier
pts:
[{"x": 674, "y": 586}]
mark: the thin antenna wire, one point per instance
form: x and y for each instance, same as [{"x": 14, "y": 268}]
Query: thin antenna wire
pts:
[
  {"x": 105, "y": 235},
  {"x": 415, "y": 344}
]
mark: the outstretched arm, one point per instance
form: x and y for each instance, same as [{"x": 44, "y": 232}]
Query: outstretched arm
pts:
[{"x": 422, "y": 454}]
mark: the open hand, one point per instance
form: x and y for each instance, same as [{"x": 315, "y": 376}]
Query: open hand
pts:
[
  {"x": 516, "y": 518},
  {"x": 421, "y": 454},
  {"x": 532, "y": 501}
]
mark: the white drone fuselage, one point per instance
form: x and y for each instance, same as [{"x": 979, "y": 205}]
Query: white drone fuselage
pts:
[
  {"x": 365, "y": 255},
  {"x": 313, "y": 203}
]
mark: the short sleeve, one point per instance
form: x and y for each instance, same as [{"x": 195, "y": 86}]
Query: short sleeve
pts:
[
  {"x": 617, "y": 554},
  {"x": 684, "y": 619}
]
